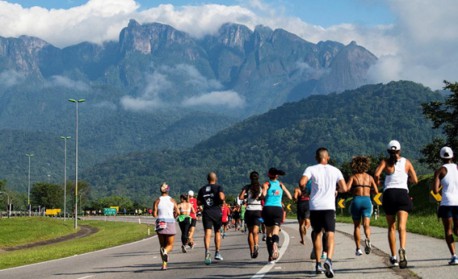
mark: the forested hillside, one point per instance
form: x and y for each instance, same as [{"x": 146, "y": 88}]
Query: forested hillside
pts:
[{"x": 356, "y": 122}]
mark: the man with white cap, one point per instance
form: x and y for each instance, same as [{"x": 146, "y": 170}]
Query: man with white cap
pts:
[
  {"x": 192, "y": 200},
  {"x": 396, "y": 200},
  {"x": 447, "y": 176}
]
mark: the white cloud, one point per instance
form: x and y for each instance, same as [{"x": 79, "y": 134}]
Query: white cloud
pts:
[
  {"x": 420, "y": 45},
  {"x": 158, "y": 84},
  {"x": 61, "y": 81},
  {"x": 230, "y": 99},
  {"x": 10, "y": 78}
]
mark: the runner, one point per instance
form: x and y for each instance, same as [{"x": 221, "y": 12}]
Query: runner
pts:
[
  {"x": 165, "y": 211},
  {"x": 447, "y": 176},
  {"x": 242, "y": 217},
  {"x": 192, "y": 200},
  {"x": 236, "y": 217},
  {"x": 325, "y": 179},
  {"x": 272, "y": 213},
  {"x": 252, "y": 193},
  {"x": 362, "y": 185},
  {"x": 303, "y": 211},
  {"x": 211, "y": 197},
  {"x": 396, "y": 201},
  {"x": 226, "y": 211},
  {"x": 184, "y": 220}
]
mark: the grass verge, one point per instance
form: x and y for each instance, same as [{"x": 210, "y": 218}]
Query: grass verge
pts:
[
  {"x": 110, "y": 234},
  {"x": 428, "y": 225},
  {"x": 24, "y": 230}
]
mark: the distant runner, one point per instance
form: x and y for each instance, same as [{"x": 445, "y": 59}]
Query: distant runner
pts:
[
  {"x": 302, "y": 198},
  {"x": 211, "y": 197},
  {"x": 192, "y": 200},
  {"x": 226, "y": 211},
  {"x": 184, "y": 220},
  {"x": 252, "y": 192},
  {"x": 447, "y": 176},
  {"x": 362, "y": 185},
  {"x": 396, "y": 201},
  {"x": 272, "y": 213},
  {"x": 325, "y": 179},
  {"x": 165, "y": 211}
]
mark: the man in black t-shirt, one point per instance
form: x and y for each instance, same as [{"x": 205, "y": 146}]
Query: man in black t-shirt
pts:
[{"x": 211, "y": 197}]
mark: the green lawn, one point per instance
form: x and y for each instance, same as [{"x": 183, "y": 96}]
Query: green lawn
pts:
[
  {"x": 109, "y": 234},
  {"x": 24, "y": 230}
]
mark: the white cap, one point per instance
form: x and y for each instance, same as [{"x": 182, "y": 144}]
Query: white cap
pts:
[
  {"x": 446, "y": 152},
  {"x": 191, "y": 193},
  {"x": 393, "y": 145}
]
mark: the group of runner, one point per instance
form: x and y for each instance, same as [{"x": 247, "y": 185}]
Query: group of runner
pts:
[{"x": 315, "y": 197}]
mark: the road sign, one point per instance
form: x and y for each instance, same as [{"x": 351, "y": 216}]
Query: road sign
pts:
[
  {"x": 52, "y": 212},
  {"x": 109, "y": 211},
  {"x": 377, "y": 199},
  {"x": 437, "y": 196},
  {"x": 341, "y": 203}
]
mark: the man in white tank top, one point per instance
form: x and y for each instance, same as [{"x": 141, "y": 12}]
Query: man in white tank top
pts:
[{"x": 447, "y": 177}]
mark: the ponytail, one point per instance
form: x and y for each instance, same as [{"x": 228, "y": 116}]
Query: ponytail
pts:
[
  {"x": 255, "y": 186},
  {"x": 393, "y": 157}
]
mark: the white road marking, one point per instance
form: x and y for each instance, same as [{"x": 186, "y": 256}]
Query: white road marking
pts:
[
  {"x": 263, "y": 271},
  {"x": 85, "y": 277}
]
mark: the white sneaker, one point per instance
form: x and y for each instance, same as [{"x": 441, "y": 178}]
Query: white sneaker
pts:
[{"x": 358, "y": 252}]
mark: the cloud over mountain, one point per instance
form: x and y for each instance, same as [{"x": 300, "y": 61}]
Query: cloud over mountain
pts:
[{"x": 419, "y": 46}]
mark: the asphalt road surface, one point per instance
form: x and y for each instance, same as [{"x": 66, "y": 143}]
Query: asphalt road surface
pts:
[{"x": 427, "y": 259}]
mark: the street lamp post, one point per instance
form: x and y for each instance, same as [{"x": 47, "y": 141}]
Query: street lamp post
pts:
[
  {"x": 76, "y": 159},
  {"x": 30, "y": 155},
  {"x": 65, "y": 175},
  {"x": 8, "y": 210}
]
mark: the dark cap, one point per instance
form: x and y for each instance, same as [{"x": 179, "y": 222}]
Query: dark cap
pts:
[{"x": 274, "y": 171}]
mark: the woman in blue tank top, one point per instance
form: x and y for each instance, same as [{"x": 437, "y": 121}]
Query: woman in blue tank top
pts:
[{"x": 272, "y": 212}]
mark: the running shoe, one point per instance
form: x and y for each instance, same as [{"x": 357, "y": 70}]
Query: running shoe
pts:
[
  {"x": 453, "y": 261},
  {"x": 223, "y": 235},
  {"x": 275, "y": 253},
  {"x": 358, "y": 252},
  {"x": 164, "y": 266},
  {"x": 368, "y": 247},
  {"x": 328, "y": 269},
  {"x": 255, "y": 253},
  {"x": 164, "y": 256},
  {"x": 402, "y": 258},
  {"x": 218, "y": 256},
  {"x": 271, "y": 260},
  {"x": 183, "y": 249},
  {"x": 319, "y": 269},
  {"x": 394, "y": 261},
  {"x": 324, "y": 256},
  {"x": 208, "y": 258}
]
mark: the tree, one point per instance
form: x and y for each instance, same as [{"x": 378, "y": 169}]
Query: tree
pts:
[
  {"x": 444, "y": 116},
  {"x": 46, "y": 195}
]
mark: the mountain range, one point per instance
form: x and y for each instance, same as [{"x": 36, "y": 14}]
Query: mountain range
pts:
[{"x": 155, "y": 88}]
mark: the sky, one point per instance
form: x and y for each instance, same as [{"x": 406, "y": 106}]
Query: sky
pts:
[{"x": 413, "y": 39}]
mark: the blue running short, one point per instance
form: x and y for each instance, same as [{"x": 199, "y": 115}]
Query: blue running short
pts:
[{"x": 361, "y": 207}]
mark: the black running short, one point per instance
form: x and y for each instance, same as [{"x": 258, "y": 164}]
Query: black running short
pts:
[
  {"x": 303, "y": 210},
  {"x": 395, "y": 200},
  {"x": 193, "y": 222},
  {"x": 252, "y": 218},
  {"x": 323, "y": 220},
  {"x": 272, "y": 215},
  {"x": 448, "y": 212},
  {"x": 212, "y": 220}
]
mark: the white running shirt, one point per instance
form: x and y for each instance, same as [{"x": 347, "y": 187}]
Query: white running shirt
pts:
[
  {"x": 165, "y": 209},
  {"x": 450, "y": 186},
  {"x": 398, "y": 179},
  {"x": 324, "y": 184}
]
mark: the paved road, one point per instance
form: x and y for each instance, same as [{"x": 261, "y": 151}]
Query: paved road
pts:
[{"x": 427, "y": 259}]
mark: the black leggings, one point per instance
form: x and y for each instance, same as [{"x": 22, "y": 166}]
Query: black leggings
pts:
[{"x": 184, "y": 227}]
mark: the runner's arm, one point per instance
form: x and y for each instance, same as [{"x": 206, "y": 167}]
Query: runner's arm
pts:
[
  {"x": 303, "y": 182},
  {"x": 156, "y": 202},
  {"x": 288, "y": 194},
  {"x": 342, "y": 186},
  {"x": 412, "y": 174},
  {"x": 242, "y": 194},
  {"x": 378, "y": 172},
  {"x": 438, "y": 175}
]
